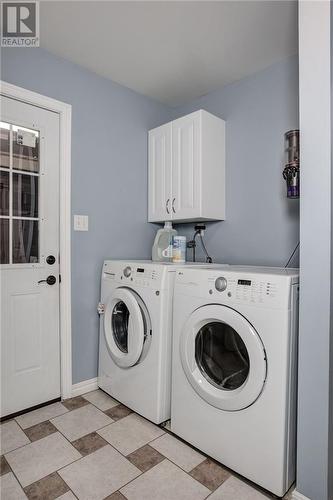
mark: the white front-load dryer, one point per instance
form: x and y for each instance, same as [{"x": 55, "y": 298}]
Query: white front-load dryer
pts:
[{"x": 234, "y": 369}]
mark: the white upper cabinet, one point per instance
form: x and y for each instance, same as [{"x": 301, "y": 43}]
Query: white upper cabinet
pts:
[
  {"x": 187, "y": 169},
  {"x": 159, "y": 198}
]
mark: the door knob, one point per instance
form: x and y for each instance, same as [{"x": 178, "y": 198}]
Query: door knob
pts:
[{"x": 50, "y": 280}]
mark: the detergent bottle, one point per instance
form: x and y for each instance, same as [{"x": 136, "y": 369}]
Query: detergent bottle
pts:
[{"x": 162, "y": 248}]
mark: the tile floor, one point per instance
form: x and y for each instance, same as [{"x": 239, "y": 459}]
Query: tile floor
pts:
[{"x": 91, "y": 447}]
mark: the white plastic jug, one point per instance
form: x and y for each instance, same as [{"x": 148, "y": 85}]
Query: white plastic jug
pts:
[{"x": 162, "y": 248}]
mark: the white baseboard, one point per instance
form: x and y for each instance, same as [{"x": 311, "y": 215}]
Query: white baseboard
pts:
[
  {"x": 296, "y": 495},
  {"x": 84, "y": 386}
]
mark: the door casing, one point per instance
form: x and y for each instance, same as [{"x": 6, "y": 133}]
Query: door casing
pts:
[{"x": 65, "y": 115}]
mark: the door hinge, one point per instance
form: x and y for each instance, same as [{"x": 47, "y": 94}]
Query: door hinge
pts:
[{"x": 59, "y": 278}]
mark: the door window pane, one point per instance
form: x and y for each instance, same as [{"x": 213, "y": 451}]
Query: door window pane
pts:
[
  {"x": 25, "y": 241},
  {"x": 221, "y": 356},
  {"x": 4, "y": 241},
  {"x": 19, "y": 194},
  {"x": 120, "y": 317},
  {"x": 4, "y": 193},
  {"x": 25, "y": 150},
  {"x": 25, "y": 195},
  {"x": 4, "y": 144}
]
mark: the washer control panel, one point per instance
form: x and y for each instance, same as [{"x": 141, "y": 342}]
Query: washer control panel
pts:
[
  {"x": 133, "y": 274},
  {"x": 144, "y": 276}
]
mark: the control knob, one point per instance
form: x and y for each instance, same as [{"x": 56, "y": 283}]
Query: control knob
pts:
[
  {"x": 127, "y": 272},
  {"x": 220, "y": 284}
]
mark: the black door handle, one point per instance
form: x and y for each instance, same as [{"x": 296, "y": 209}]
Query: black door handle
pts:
[{"x": 50, "y": 280}]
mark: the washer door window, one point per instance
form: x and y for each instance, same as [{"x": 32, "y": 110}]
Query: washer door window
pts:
[
  {"x": 120, "y": 319},
  {"x": 223, "y": 357},
  {"x": 126, "y": 326}
]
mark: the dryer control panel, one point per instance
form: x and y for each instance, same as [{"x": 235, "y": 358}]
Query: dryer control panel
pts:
[
  {"x": 236, "y": 286},
  {"x": 245, "y": 290}
]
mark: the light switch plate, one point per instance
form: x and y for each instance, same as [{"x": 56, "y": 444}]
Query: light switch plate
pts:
[{"x": 81, "y": 222}]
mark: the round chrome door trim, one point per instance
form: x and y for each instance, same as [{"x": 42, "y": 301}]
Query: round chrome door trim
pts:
[
  {"x": 136, "y": 328},
  {"x": 250, "y": 390}
]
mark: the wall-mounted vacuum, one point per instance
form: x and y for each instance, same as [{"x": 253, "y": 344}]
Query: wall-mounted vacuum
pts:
[{"x": 291, "y": 170}]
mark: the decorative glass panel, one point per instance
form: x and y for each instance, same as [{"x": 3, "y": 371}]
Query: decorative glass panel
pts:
[
  {"x": 4, "y": 144},
  {"x": 25, "y": 195},
  {"x": 221, "y": 356},
  {"x": 4, "y": 239},
  {"x": 25, "y": 241},
  {"x": 19, "y": 193},
  {"x": 4, "y": 193},
  {"x": 25, "y": 149}
]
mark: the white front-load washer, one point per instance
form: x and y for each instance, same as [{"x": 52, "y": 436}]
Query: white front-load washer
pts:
[
  {"x": 234, "y": 369},
  {"x": 136, "y": 335}
]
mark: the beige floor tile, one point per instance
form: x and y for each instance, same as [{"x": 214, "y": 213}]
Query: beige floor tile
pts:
[
  {"x": 11, "y": 437},
  {"x": 39, "y": 459},
  {"x": 10, "y": 488},
  {"x": 130, "y": 433},
  {"x": 67, "y": 496},
  {"x": 165, "y": 481},
  {"x": 178, "y": 452},
  {"x": 101, "y": 400},
  {"x": 234, "y": 488},
  {"x": 80, "y": 422},
  {"x": 37, "y": 416},
  {"x": 96, "y": 476}
]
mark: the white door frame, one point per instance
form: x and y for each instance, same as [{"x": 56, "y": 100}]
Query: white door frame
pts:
[{"x": 65, "y": 114}]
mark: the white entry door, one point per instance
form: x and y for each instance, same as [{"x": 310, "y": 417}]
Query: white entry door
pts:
[{"x": 29, "y": 256}]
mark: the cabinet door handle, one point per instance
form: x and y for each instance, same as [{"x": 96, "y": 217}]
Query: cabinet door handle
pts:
[
  {"x": 173, "y": 205},
  {"x": 167, "y": 206}
]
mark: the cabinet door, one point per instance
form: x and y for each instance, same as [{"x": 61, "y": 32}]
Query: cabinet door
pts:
[
  {"x": 159, "y": 183},
  {"x": 186, "y": 167}
]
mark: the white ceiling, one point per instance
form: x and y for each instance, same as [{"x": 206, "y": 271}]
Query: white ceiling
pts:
[{"x": 172, "y": 51}]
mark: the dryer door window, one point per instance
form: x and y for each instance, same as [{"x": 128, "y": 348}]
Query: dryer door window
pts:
[
  {"x": 127, "y": 327},
  {"x": 223, "y": 357}
]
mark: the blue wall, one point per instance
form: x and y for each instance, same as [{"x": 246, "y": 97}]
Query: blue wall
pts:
[
  {"x": 109, "y": 173},
  {"x": 262, "y": 225},
  {"x": 109, "y": 177}
]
